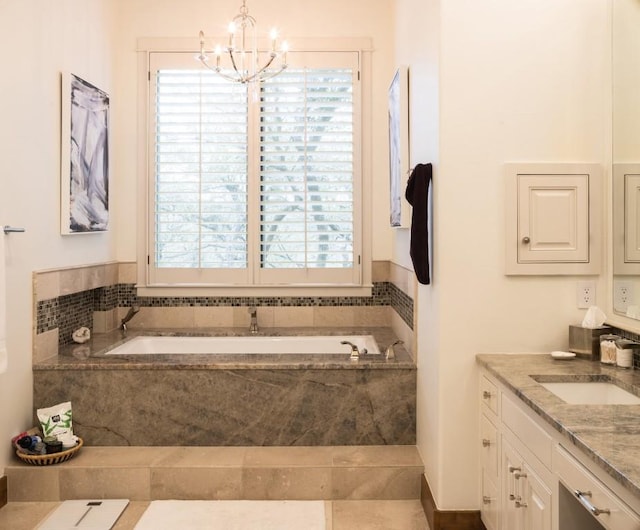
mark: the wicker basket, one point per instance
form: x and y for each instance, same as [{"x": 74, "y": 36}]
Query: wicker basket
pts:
[{"x": 53, "y": 458}]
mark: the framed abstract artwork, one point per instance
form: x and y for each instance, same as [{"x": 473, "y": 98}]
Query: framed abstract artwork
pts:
[
  {"x": 398, "y": 101},
  {"x": 84, "y": 187}
]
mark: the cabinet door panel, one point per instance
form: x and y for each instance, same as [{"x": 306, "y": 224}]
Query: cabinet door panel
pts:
[
  {"x": 512, "y": 513},
  {"x": 553, "y": 218},
  {"x": 538, "y": 501}
]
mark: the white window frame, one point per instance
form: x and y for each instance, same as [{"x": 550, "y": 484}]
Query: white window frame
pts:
[{"x": 359, "y": 285}]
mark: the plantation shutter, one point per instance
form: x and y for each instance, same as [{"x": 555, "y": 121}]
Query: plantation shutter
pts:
[
  {"x": 308, "y": 161},
  {"x": 254, "y": 187},
  {"x": 200, "y": 190}
]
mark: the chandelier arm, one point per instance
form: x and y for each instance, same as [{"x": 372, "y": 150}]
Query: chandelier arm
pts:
[
  {"x": 273, "y": 74},
  {"x": 218, "y": 71},
  {"x": 233, "y": 62},
  {"x": 258, "y": 73},
  {"x": 229, "y": 77}
]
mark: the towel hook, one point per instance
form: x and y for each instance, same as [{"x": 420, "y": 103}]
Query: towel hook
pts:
[{"x": 9, "y": 229}]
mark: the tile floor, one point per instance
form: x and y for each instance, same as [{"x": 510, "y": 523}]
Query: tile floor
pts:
[{"x": 345, "y": 515}]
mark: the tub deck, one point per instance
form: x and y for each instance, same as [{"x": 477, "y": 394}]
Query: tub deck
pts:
[{"x": 233, "y": 400}]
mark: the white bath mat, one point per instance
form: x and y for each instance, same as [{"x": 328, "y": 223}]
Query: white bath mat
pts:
[
  {"x": 233, "y": 515},
  {"x": 97, "y": 514}
]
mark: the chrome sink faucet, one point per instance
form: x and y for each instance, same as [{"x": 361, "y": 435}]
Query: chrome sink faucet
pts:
[{"x": 253, "y": 326}]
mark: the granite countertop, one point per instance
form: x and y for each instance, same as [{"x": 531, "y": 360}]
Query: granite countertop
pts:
[
  {"x": 92, "y": 354},
  {"x": 608, "y": 434}
]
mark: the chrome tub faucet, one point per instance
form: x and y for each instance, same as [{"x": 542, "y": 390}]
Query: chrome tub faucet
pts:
[
  {"x": 130, "y": 314},
  {"x": 390, "y": 352},
  {"x": 253, "y": 325},
  {"x": 355, "y": 353}
]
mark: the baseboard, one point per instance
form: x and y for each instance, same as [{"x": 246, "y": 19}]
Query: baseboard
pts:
[
  {"x": 3, "y": 490},
  {"x": 447, "y": 519}
]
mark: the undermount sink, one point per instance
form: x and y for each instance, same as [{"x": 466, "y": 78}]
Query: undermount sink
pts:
[{"x": 591, "y": 393}]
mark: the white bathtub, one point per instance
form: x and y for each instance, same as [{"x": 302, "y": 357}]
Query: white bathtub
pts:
[{"x": 325, "y": 344}]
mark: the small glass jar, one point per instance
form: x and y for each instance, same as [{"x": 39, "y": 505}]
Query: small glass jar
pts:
[
  {"x": 608, "y": 348},
  {"x": 624, "y": 352}
]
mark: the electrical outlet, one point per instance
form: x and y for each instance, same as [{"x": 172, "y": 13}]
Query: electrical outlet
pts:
[
  {"x": 622, "y": 295},
  {"x": 585, "y": 294}
]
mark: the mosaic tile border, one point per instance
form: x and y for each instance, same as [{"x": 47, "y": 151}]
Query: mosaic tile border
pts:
[
  {"x": 127, "y": 297},
  {"x": 72, "y": 311},
  {"x": 402, "y": 304}
]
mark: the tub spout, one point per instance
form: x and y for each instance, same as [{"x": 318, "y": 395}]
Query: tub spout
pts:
[
  {"x": 355, "y": 353},
  {"x": 130, "y": 314},
  {"x": 253, "y": 326}
]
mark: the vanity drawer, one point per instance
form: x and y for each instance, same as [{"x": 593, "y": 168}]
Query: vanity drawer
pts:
[
  {"x": 490, "y": 510},
  {"x": 530, "y": 433},
  {"x": 489, "y": 395},
  {"x": 489, "y": 441},
  {"x": 578, "y": 478}
]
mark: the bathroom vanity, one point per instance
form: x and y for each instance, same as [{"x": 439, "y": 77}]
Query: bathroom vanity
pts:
[{"x": 549, "y": 464}]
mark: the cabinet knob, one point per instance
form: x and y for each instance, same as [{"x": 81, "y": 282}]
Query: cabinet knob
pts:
[
  {"x": 519, "y": 475},
  {"x": 486, "y": 394},
  {"x": 513, "y": 468},
  {"x": 486, "y": 499},
  {"x": 520, "y": 504},
  {"x": 526, "y": 240},
  {"x": 486, "y": 442}
]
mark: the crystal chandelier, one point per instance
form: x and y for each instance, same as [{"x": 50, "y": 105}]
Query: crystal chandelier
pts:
[{"x": 243, "y": 53}]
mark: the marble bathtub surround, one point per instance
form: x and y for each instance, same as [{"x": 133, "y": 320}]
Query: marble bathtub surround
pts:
[
  {"x": 231, "y": 400},
  {"x": 608, "y": 434}
]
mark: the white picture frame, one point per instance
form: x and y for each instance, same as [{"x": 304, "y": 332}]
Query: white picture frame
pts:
[
  {"x": 399, "y": 156},
  {"x": 84, "y": 157}
]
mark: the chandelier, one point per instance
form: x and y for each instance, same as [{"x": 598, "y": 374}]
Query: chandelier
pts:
[{"x": 243, "y": 52}]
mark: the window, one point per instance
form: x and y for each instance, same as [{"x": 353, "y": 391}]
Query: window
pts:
[{"x": 255, "y": 186}]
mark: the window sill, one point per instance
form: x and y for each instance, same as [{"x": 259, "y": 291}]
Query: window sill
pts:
[{"x": 255, "y": 291}]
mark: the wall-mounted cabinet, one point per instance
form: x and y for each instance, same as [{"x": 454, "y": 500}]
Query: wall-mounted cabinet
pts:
[{"x": 553, "y": 219}]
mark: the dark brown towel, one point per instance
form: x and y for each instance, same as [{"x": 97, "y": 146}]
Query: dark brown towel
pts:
[{"x": 418, "y": 194}]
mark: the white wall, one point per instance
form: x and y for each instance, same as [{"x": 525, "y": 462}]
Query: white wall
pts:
[
  {"x": 38, "y": 40},
  {"x": 294, "y": 19},
  {"x": 518, "y": 81}
]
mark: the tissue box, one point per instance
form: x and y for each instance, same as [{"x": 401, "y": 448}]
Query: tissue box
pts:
[{"x": 585, "y": 342}]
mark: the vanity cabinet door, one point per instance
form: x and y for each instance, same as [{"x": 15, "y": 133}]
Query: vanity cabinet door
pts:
[
  {"x": 538, "y": 502},
  {"x": 512, "y": 485},
  {"x": 553, "y": 220},
  {"x": 527, "y": 499}
]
